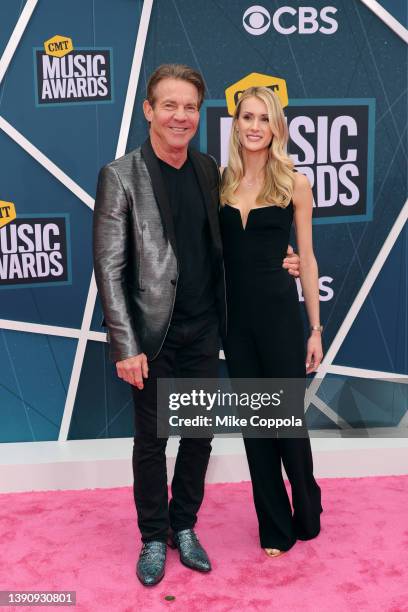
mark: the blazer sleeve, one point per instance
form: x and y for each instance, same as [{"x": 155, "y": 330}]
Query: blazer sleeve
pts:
[{"x": 110, "y": 255}]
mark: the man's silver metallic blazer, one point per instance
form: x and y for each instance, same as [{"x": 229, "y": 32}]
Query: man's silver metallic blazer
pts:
[{"x": 135, "y": 254}]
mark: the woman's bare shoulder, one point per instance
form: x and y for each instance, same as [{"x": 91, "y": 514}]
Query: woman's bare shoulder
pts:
[{"x": 302, "y": 191}]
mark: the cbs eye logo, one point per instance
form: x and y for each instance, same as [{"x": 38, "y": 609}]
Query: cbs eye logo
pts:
[{"x": 256, "y": 20}]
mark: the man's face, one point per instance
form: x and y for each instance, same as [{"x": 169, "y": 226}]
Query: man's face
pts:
[{"x": 174, "y": 117}]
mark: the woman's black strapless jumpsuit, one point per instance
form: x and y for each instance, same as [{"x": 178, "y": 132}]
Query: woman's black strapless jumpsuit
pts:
[{"x": 265, "y": 340}]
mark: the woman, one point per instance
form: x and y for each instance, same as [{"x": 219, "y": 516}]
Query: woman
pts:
[{"x": 261, "y": 194}]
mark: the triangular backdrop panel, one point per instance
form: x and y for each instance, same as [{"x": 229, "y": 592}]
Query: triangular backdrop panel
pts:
[{"x": 377, "y": 339}]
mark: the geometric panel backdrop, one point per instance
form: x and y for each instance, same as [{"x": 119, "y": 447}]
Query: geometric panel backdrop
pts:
[{"x": 345, "y": 74}]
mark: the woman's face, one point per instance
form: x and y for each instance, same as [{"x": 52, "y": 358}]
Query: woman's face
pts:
[{"x": 253, "y": 126}]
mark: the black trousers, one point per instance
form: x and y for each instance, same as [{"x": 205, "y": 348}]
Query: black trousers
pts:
[
  {"x": 260, "y": 350},
  {"x": 190, "y": 350}
]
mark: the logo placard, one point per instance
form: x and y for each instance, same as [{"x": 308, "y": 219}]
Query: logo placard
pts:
[
  {"x": 331, "y": 141},
  {"x": 34, "y": 251},
  {"x": 65, "y": 75}
]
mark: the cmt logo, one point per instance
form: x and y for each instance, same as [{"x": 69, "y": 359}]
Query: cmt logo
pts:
[
  {"x": 7, "y": 212},
  {"x": 255, "y": 79},
  {"x": 58, "y": 46},
  {"x": 288, "y": 20}
]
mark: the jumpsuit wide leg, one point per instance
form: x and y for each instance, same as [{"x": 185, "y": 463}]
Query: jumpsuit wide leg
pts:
[{"x": 265, "y": 339}]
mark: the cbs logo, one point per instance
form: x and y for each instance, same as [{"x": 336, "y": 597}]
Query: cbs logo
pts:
[{"x": 257, "y": 20}]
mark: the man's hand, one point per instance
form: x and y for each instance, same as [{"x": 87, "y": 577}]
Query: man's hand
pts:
[
  {"x": 133, "y": 370},
  {"x": 291, "y": 262}
]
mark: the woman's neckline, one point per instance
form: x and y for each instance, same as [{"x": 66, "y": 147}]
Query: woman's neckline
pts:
[{"x": 249, "y": 212}]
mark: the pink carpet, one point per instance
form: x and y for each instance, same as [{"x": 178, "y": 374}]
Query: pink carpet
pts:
[{"x": 87, "y": 541}]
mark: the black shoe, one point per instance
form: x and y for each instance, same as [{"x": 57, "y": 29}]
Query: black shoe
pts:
[
  {"x": 150, "y": 566},
  {"x": 192, "y": 554}
]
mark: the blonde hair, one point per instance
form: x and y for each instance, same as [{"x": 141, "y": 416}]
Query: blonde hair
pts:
[{"x": 279, "y": 178}]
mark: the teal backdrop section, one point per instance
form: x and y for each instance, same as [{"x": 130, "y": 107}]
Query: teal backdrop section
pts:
[
  {"x": 363, "y": 59},
  {"x": 79, "y": 139},
  {"x": 398, "y": 9}
]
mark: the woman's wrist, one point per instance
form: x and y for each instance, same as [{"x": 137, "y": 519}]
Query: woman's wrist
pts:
[{"x": 316, "y": 329}]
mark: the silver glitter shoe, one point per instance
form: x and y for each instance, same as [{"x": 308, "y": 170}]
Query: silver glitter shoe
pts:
[
  {"x": 150, "y": 566},
  {"x": 192, "y": 554}
]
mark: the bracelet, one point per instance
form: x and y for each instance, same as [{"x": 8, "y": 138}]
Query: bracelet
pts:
[{"x": 318, "y": 328}]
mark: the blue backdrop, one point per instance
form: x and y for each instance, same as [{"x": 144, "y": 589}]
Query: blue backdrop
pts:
[{"x": 363, "y": 63}]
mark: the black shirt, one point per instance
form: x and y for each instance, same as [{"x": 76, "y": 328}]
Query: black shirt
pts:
[{"x": 195, "y": 290}]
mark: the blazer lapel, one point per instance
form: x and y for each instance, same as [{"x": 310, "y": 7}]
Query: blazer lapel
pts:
[
  {"x": 160, "y": 193},
  {"x": 211, "y": 196}
]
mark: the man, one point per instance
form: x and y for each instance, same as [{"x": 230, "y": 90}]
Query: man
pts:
[{"x": 159, "y": 272}]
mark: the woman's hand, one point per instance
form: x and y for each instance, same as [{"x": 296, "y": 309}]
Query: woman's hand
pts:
[
  {"x": 291, "y": 262},
  {"x": 314, "y": 352}
]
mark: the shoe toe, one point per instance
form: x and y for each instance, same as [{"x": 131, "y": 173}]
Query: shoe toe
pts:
[
  {"x": 149, "y": 576},
  {"x": 192, "y": 554},
  {"x": 149, "y": 579},
  {"x": 151, "y": 563},
  {"x": 203, "y": 565}
]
